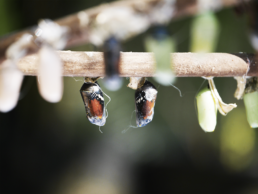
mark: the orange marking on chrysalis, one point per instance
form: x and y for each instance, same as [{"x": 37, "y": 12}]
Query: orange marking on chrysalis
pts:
[
  {"x": 147, "y": 109},
  {"x": 96, "y": 108}
]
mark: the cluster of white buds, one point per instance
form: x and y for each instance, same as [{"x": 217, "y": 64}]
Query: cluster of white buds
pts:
[
  {"x": 51, "y": 36},
  {"x": 48, "y": 37},
  {"x": 10, "y": 76}
]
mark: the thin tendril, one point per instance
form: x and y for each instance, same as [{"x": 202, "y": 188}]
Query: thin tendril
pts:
[
  {"x": 100, "y": 130},
  {"x": 107, "y": 103},
  {"x": 130, "y": 125},
  {"x": 180, "y": 93},
  {"x": 77, "y": 80}
]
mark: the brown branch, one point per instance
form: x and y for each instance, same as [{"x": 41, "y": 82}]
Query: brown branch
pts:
[
  {"x": 91, "y": 64},
  {"x": 79, "y": 33}
]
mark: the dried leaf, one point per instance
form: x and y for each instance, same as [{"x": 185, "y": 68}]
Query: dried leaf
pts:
[
  {"x": 224, "y": 108},
  {"x": 241, "y": 82},
  {"x": 136, "y": 82}
]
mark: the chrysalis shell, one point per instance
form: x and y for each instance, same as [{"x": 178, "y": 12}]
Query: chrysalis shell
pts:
[
  {"x": 207, "y": 110},
  {"x": 145, "y": 98},
  {"x": 93, "y": 99},
  {"x": 251, "y": 106}
]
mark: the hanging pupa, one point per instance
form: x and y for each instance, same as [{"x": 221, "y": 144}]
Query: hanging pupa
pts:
[
  {"x": 112, "y": 49},
  {"x": 251, "y": 106},
  {"x": 93, "y": 99},
  {"x": 204, "y": 33},
  {"x": 251, "y": 101},
  {"x": 207, "y": 110},
  {"x": 162, "y": 45},
  {"x": 145, "y": 98}
]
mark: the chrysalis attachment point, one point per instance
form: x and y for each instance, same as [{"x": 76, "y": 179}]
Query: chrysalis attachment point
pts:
[
  {"x": 93, "y": 99},
  {"x": 145, "y": 98},
  {"x": 223, "y": 108},
  {"x": 136, "y": 82},
  {"x": 241, "y": 82}
]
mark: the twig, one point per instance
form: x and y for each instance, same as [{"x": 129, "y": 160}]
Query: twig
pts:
[
  {"x": 91, "y": 64},
  {"x": 84, "y": 26}
]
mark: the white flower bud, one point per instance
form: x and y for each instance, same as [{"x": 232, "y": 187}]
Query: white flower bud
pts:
[
  {"x": 10, "y": 84},
  {"x": 50, "y": 81}
]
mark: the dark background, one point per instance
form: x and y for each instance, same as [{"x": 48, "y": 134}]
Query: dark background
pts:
[{"x": 52, "y": 148}]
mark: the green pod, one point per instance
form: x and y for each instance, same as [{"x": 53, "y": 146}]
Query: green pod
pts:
[
  {"x": 251, "y": 106},
  {"x": 204, "y": 32},
  {"x": 207, "y": 110}
]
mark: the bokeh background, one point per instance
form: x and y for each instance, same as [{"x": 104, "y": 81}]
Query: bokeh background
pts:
[{"x": 52, "y": 148}]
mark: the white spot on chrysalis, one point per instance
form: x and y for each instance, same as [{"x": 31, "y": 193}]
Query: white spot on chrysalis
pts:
[{"x": 150, "y": 94}]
